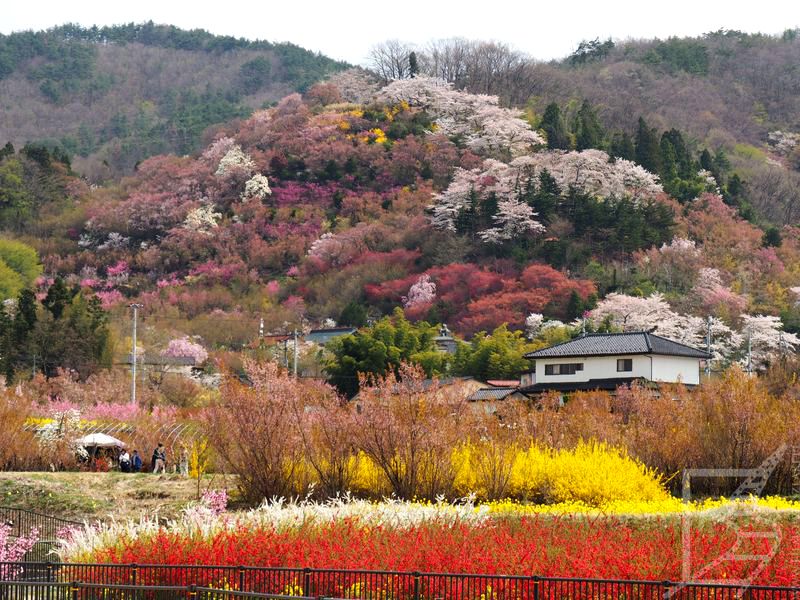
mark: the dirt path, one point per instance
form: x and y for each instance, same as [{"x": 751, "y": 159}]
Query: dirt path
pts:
[{"x": 92, "y": 496}]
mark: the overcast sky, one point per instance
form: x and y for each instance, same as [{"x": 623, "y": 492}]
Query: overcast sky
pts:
[{"x": 346, "y": 30}]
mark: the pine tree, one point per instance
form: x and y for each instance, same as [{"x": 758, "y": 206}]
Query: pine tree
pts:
[
  {"x": 648, "y": 149},
  {"x": 553, "y": 126},
  {"x": 622, "y": 146},
  {"x": 588, "y": 131}
]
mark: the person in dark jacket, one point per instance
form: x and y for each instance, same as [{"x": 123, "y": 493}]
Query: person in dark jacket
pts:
[
  {"x": 136, "y": 462},
  {"x": 160, "y": 459}
]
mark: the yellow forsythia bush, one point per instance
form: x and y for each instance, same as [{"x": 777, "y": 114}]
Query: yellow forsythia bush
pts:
[{"x": 591, "y": 473}]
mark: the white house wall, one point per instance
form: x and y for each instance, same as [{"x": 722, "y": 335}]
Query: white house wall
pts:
[
  {"x": 651, "y": 367},
  {"x": 594, "y": 367},
  {"x": 674, "y": 368}
]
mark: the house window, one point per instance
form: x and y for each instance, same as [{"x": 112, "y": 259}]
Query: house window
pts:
[
  {"x": 624, "y": 365},
  {"x": 563, "y": 369}
]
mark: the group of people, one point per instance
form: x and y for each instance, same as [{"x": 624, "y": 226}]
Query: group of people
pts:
[{"x": 132, "y": 463}]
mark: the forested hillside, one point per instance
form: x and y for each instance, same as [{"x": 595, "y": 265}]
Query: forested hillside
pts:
[
  {"x": 113, "y": 96},
  {"x": 726, "y": 91},
  {"x": 357, "y": 198}
]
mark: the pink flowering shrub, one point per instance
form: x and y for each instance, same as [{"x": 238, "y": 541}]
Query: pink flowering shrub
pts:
[
  {"x": 215, "y": 500},
  {"x": 185, "y": 348},
  {"x": 13, "y": 549}
]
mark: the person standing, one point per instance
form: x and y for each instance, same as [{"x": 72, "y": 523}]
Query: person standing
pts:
[
  {"x": 125, "y": 462},
  {"x": 160, "y": 459},
  {"x": 185, "y": 462},
  {"x": 136, "y": 462}
]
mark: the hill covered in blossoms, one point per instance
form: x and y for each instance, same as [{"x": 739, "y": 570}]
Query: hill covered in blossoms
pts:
[{"x": 354, "y": 199}]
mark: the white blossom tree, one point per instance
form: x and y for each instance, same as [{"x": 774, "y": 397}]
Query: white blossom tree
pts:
[
  {"x": 479, "y": 120},
  {"x": 202, "y": 219},
  {"x": 533, "y": 324},
  {"x": 422, "y": 292},
  {"x": 235, "y": 163},
  {"x": 631, "y": 313},
  {"x": 767, "y": 340},
  {"x": 256, "y": 187},
  {"x": 514, "y": 219}
]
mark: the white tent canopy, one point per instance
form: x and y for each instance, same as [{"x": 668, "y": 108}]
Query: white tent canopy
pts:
[{"x": 100, "y": 440}]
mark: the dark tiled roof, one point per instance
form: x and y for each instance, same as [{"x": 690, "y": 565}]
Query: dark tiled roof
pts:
[
  {"x": 605, "y": 344},
  {"x": 575, "y": 386},
  {"x": 492, "y": 394}
]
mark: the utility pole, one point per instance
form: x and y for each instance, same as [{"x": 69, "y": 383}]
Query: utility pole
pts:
[
  {"x": 708, "y": 347},
  {"x": 295, "y": 352},
  {"x": 135, "y": 308},
  {"x": 749, "y": 353}
]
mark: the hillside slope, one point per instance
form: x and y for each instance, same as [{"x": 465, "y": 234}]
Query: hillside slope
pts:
[{"x": 116, "y": 95}]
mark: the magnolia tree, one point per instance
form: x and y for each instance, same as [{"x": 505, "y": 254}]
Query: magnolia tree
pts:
[
  {"x": 202, "y": 219},
  {"x": 257, "y": 187},
  {"x": 485, "y": 127},
  {"x": 767, "y": 340},
  {"x": 185, "y": 348},
  {"x": 235, "y": 163},
  {"x": 422, "y": 292}
]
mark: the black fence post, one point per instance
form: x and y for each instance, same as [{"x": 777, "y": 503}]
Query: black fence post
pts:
[
  {"x": 667, "y": 585},
  {"x": 306, "y": 582},
  {"x": 192, "y": 589},
  {"x": 73, "y": 589},
  {"x": 134, "y": 573},
  {"x": 240, "y": 571},
  {"x": 416, "y": 576},
  {"x": 535, "y": 579}
]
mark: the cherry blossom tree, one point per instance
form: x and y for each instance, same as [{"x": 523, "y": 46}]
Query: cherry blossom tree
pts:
[
  {"x": 486, "y": 127},
  {"x": 533, "y": 324},
  {"x": 514, "y": 219},
  {"x": 717, "y": 298},
  {"x": 631, "y": 313},
  {"x": 767, "y": 340},
  {"x": 422, "y": 292},
  {"x": 589, "y": 171},
  {"x": 13, "y": 549},
  {"x": 185, "y": 348}
]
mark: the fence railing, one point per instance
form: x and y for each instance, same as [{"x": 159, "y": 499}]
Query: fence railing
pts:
[
  {"x": 23, "y": 521},
  {"x": 76, "y": 590},
  {"x": 383, "y": 585}
]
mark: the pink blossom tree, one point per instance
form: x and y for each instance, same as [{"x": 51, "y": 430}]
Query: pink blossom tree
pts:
[{"x": 185, "y": 348}]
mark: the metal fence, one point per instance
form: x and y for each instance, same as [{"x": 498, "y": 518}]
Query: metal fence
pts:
[
  {"x": 24, "y": 521},
  {"x": 383, "y": 585},
  {"x": 75, "y": 590}
]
